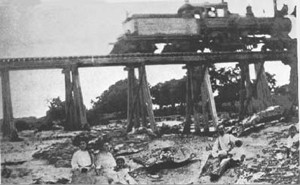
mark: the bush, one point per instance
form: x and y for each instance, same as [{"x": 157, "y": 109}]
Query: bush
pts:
[{"x": 22, "y": 125}]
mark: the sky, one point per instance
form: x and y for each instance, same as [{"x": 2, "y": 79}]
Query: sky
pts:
[{"x": 45, "y": 28}]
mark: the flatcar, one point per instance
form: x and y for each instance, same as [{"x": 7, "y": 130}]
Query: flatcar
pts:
[{"x": 196, "y": 27}]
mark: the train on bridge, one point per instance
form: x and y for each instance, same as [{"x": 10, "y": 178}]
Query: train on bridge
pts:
[{"x": 196, "y": 27}]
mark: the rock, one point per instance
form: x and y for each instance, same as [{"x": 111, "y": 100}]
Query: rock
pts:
[
  {"x": 151, "y": 161},
  {"x": 279, "y": 156},
  {"x": 254, "y": 167},
  {"x": 62, "y": 164},
  {"x": 56, "y": 152},
  {"x": 66, "y": 156},
  {"x": 288, "y": 174},
  {"x": 118, "y": 147},
  {"x": 6, "y": 172},
  {"x": 52, "y": 160},
  {"x": 62, "y": 181}
]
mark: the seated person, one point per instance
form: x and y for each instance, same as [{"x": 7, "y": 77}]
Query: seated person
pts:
[
  {"x": 292, "y": 144},
  {"x": 238, "y": 154},
  {"x": 221, "y": 152},
  {"x": 120, "y": 164},
  {"x": 122, "y": 172},
  {"x": 223, "y": 144},
  {"x": 105, "y": 163},
  {"x": 82, "y": 160},
  {"x": 104, "y": 160},
  {"x": 82, "y": 163}
]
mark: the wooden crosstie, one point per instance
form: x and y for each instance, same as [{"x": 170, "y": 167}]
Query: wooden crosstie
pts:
[{"x": 139, "y": 98}]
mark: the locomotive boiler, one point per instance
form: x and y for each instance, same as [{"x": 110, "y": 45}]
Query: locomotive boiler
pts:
[{"x": 197, "y": 27}]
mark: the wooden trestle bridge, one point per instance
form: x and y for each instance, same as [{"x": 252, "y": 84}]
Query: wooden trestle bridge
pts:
[{"x": 139, "y": 98}]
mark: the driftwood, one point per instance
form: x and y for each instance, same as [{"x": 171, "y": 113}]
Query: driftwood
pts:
[
  {"x": 257, "y": 120},
  {"x": 128, "y": 152},
  {"x": 168, "y": 164},
  {"x": 269, "y": 114},
  {"x": 9, "y": 163}
]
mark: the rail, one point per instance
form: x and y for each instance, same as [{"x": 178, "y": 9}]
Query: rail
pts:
[{"x": 142, "y": 58}]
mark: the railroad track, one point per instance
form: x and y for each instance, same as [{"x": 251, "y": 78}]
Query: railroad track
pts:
[{"x": 143, "y": 58}]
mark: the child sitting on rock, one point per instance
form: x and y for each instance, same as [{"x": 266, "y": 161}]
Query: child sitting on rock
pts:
[{"x": 122, "y": 172}]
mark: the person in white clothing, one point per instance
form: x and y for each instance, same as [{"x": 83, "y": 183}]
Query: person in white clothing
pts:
[
  {"x": 238, "y": 153},
  {"x": 105, "y": 160},
  {"x": 223, "y": 144},
  {"x": 82, "y": 165},
  {"x": 221, "y": 153},
  {"x": 82, "y": 160},
  {"x": 292, "y": 144},
  {"x": 122, "y": 172},
  {"x": 105, "y": 164}
]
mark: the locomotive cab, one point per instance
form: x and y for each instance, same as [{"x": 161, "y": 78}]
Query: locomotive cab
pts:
[{"x": 201, "y": 11}]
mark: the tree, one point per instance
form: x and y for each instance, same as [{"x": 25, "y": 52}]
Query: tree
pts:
[
  {"x": 56, "y": 109},
  {"x": 112, "y": 100},
  {"x": 169, "y": 93},
  {"x": 227, "y": 82},
  {"x": 55, "y": 114},
  {"x": 271, "y": 81}
]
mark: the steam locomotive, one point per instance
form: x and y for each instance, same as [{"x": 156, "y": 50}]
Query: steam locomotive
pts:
[{"x": 204, "y": 26}]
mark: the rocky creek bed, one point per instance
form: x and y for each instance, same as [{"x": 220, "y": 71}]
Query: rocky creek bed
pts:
[{"x": 45, "y": 157}]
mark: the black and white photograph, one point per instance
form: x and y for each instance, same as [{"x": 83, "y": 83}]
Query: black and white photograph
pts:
[{"x": 149, "y": 92}]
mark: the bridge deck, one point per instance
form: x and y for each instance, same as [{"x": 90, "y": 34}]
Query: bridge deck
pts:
[{"x": 147, "y": 59}]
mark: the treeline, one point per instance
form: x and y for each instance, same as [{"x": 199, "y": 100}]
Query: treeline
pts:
[{"x": 169, "y": 97}]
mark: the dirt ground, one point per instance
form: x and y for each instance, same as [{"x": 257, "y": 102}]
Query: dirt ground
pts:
[{"x": 54, "y": 168}]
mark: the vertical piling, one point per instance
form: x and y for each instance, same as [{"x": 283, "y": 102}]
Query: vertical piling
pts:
[{"x": 8, "y": 126}]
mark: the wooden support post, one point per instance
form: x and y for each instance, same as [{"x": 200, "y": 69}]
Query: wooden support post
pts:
[
  {"x": 246, "y": 106},
  {"x": 243, "y": 91},
  {"x": 293, "y": 86},
  {"x": 78, "y": 100},
  {"x": 263, "y": 94},
  {"x": 189, "y": 102},
  {"x": 249, "y": 90},
  {"x": 204, "y": 101},
  {"x": 69, "y": 101},
  {"x": 136, "y": 102},
  {"x": 196, "y": 87},
  {"x": 148, "y": 100},
  {"x": 130, "y": 89},
  {"x": 8, "y": 127},
  {"x": 142, "y": 99},
  {"x": 210, "y": 98}
]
